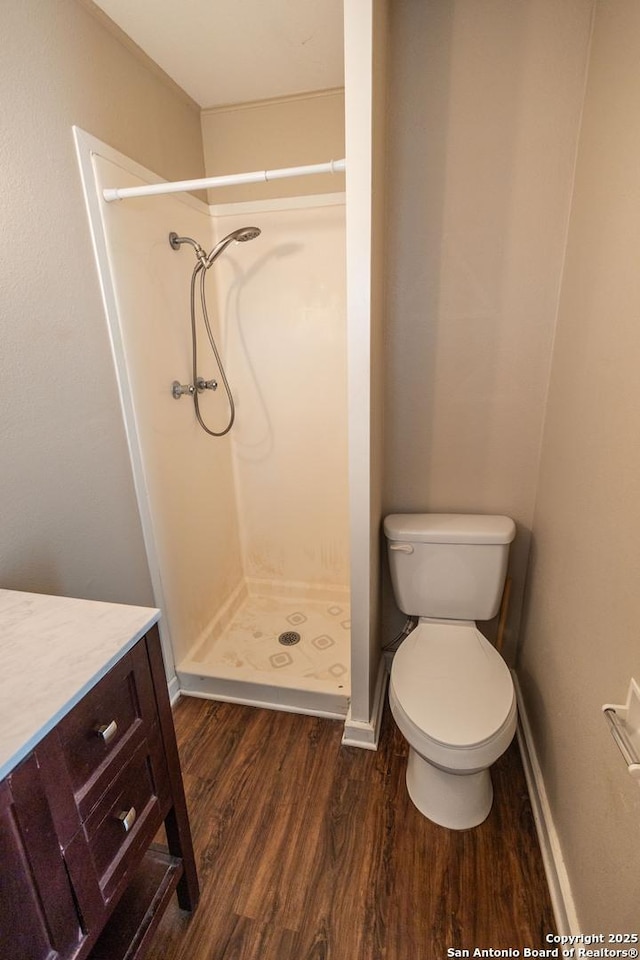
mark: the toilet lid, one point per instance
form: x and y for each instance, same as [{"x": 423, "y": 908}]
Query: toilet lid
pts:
[{"x": 452, "y": 683}]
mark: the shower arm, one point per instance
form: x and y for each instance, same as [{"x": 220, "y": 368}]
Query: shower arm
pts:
[{"x": 176, "y": 242}]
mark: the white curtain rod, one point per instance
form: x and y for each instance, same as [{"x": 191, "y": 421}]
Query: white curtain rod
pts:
[{"x": 259, "y": 176}]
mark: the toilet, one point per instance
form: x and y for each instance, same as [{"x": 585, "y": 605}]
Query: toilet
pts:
[{"x": 450, "y": 692}]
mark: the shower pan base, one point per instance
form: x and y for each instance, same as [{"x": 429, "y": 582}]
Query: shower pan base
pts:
[{"x": 247, "y": 663}]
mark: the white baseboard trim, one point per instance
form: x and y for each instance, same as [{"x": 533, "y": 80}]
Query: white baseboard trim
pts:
[
  {"x": 559, "y": 887},
  {"x": 366, "y": 733},
  {"x": 174, "y": 690}
]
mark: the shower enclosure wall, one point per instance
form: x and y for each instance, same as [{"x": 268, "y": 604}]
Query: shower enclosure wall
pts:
[{"x": 248, "y": 534}]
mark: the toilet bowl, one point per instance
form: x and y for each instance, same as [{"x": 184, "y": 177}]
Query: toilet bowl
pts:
[
  {"x": 450, "y": 692},
  {"x": 452, "y": 697}
]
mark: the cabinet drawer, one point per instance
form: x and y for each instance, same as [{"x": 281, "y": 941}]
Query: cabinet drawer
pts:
[
  {"x": 124, "y": 820},
  {"x": 106, "y": 725}
]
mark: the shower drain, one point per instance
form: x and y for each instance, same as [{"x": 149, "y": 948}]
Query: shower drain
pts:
[{"x": 288, "y": 638}]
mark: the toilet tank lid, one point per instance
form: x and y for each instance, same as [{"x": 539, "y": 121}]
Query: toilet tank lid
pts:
[{"x": 449, "y": 528}]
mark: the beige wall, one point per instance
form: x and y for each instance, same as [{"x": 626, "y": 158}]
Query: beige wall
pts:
[
  {"x": 281, "y": 300},
  {"x": 69, "y": 518},
  {"x": 486, "y": 98},
  {"x": 581, "y": 642},
  {"x": 287, "y": 132}
]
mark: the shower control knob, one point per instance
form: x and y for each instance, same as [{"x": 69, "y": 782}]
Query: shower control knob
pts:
[
  {"x": 178, "y": 389},
  {"x": 203, "y": 384}
]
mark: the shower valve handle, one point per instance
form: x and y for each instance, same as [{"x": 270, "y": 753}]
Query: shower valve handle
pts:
[
  {"x": 178, "y": 389},
  {"x": 203, "y": 384}
]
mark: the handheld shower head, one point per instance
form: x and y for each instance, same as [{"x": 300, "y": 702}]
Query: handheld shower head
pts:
[
  {"x": 240, "y": 236},
  {"x": 246, "y": 233}
]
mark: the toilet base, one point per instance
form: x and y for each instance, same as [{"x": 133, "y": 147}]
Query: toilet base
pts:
[{"x": 456, "y": 801}]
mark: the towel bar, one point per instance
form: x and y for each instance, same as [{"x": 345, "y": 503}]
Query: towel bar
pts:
[{"x": 624, "y": 724}]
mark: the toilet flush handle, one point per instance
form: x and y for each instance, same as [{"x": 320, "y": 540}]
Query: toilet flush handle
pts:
[{"x": 401, "y": 547}]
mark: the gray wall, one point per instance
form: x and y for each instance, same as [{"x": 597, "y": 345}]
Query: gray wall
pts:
[
  {"x": 483, "y": 122},
  {"x": 69, "y": 517},
  {"x": 581, "y": 642}
]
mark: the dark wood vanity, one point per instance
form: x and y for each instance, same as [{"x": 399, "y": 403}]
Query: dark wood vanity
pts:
[{"x": 81, "y": 873}]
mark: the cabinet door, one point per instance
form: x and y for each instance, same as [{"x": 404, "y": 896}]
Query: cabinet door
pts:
[{"x": 38, "y": 919}]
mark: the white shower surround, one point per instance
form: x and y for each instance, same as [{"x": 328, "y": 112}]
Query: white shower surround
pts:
[
  {"x": 282, "y": 299},
  {"x": 274, "y": 520}
]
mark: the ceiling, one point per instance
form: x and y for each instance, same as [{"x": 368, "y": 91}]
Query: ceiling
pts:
[{"x": 238, "y": 51}]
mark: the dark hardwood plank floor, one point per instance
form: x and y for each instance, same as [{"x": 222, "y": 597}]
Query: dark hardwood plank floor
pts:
[{"x": 308, "y": 850}]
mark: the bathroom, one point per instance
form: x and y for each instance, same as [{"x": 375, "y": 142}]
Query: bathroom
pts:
[{"x": 508, "y": 342}]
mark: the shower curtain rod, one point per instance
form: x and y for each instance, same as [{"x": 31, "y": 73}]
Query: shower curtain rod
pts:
[{"x": 259, "y": 176}]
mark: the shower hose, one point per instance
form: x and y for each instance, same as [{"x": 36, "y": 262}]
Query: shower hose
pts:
[{"x": 200, "y": 269}]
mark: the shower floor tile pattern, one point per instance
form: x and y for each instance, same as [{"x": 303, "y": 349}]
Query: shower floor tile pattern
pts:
[{"x": 249, "y": 645}]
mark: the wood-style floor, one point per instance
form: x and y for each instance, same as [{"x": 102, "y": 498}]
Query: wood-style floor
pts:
[{"x": 309, "y": 850}]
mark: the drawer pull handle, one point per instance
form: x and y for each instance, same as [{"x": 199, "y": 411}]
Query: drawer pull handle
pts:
[
  {"x": 107, "y": 731},
  {"x": 127, "y": 818}
]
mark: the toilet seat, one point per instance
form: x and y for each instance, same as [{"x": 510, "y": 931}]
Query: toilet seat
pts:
[{"x": 452, "y": 695}]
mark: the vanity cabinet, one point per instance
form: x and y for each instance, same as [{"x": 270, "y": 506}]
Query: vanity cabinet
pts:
[
  {"x": 38, "y": 917},
  {"x": 81, "y": 875}
]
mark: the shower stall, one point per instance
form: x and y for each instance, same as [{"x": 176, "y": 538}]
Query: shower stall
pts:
[{"x": 232, "y": 368}]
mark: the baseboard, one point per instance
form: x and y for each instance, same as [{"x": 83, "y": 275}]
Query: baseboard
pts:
[
  {"x": 174, "y": 690},
  {"x": 559, "y": 887},
  {"x": 366, "y": 733}
]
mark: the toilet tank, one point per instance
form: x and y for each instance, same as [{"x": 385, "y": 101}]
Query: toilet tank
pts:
[{"x": 448, "y": 566}]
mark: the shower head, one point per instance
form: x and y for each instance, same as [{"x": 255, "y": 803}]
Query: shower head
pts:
[
  {"x": 246, "y": 233},
  {"x": 240, "y": 236}
]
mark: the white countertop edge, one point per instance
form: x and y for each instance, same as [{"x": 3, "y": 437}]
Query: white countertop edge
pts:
[{"x": 62, "y": 709}]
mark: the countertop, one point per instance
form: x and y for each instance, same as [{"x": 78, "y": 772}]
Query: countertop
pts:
[{"x": 52, "y": 651}]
